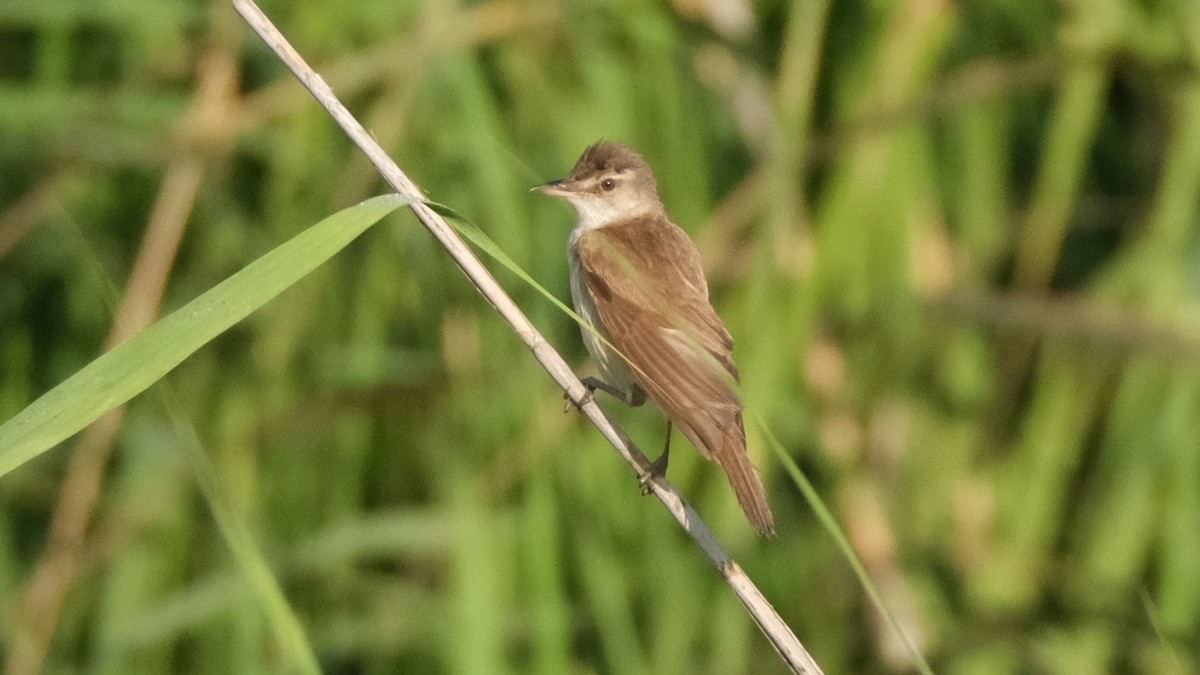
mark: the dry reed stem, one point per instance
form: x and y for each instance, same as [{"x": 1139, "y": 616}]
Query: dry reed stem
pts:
[{"x": 768, "y": 620}]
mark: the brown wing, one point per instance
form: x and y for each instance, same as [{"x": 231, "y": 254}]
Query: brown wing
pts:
[
  {"x": 649, "y": 289},
  {"x": 649, "y": 277}
]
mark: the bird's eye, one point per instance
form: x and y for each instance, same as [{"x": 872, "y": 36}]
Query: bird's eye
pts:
[{"x": 608, "y": 184}]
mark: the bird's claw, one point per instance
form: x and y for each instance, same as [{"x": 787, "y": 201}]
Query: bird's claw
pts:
[
  {"x": 658, "y": 469},
  {"x": 587, "y": 398}
]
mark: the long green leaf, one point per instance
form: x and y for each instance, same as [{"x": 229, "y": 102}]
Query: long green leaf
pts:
[{"x": 131, "y": 367}]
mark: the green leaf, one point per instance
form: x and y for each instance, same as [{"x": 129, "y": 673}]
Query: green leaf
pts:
[{"x": 134, "y": 365}]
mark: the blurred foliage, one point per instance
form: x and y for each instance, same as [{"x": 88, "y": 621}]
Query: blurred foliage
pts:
[{"x": 955, "y": 242}]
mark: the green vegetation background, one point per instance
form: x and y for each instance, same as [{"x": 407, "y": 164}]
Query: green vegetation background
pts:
[{"x": 955, "y": 243}]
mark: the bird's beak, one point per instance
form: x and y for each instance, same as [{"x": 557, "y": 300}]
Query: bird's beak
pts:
[{"x": 554, "y": 188}]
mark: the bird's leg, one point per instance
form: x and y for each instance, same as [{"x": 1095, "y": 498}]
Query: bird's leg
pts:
[
  {"x": 593, "y": 383},
  {"x": 658, "y": 468},
  {"x": 634, "y": 398}
]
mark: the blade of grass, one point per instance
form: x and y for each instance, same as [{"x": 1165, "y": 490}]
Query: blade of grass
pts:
[
  {"x": 829, "y": 522},
  {"x": 255, "y": 569},
  {"x": 131, "y": 367},
  {"x": 476, "y": 236}
]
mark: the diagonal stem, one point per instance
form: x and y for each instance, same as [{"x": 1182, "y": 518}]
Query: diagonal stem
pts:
[{"x": 772, "y": 625}]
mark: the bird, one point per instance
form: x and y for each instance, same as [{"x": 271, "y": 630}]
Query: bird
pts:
[{"x": 637, "y": 280}]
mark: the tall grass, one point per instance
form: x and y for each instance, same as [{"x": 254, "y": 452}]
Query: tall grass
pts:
[{"x": 955, "y": 245}]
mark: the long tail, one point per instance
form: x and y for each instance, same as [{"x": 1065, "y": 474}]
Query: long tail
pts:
[{"x": 746, "y": 483}]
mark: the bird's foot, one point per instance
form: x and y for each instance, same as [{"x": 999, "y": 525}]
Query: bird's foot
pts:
[
  {"x": 658, "y": 469},
  {"x": 568, "y": 402}
]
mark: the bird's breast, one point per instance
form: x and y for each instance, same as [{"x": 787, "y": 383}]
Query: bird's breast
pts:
[{"x": 613, "y": 368}]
